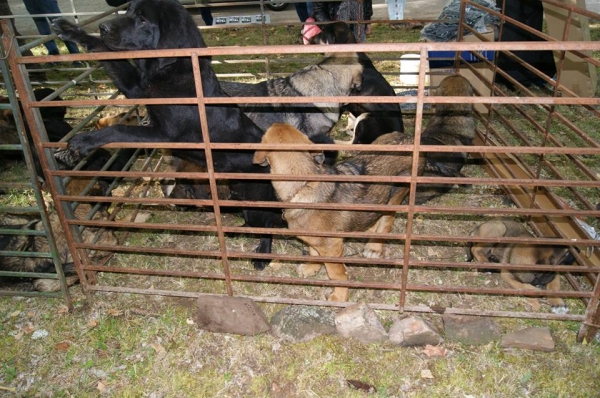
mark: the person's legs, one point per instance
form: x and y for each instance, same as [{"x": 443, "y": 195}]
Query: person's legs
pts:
[
  {"x": 302, "y": 11},
  {"x": 206, "y": 15},
  {"x": 43, "y": 27}
]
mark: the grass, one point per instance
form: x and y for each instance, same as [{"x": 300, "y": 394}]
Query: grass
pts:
[
  {"x": 132, "y": 345},
  {"x": 125, "y": 346}
]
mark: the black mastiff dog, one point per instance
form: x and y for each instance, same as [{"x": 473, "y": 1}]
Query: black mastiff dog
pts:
[{"x": 165, "y": 24}]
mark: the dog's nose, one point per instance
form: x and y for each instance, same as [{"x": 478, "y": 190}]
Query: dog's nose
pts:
[{"x": 104, "y": 29}]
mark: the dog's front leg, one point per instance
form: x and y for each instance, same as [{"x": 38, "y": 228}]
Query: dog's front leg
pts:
[
  {"x": 374, "y": 248},
  {"x": 557, "y": 305},
  {"x": 84, "y": 143},
  {"x": 327, "y": 247},
  {"x": 509, "y": 278},
  {"x": 67, "y": 30},
  {"x": 336, "y": 271},
  {"x": 310, "y": 269}
]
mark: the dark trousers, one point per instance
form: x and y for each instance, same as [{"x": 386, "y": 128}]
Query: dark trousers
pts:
[
  {"x": 43, "y": 26},
  {"x": 304, "y": 10}
]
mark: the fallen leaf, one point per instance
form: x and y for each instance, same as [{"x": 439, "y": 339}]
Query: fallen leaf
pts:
[
  {"x": 435, "y": 351},
  {"x": 15, "y": 314},
  {"x": 19, "y": 336},
  {"x": 62, "y": 346},
  {"x": 426, "y": 374},
  {"x": 160, "y": 350},
  {"x": 114, "y": 312},
  {"x": 30, "y": 314},
  {"x": 92, "y": 323},
  {"x": 28, "y": 329},
  {"x": 63, "y": 309},
  {"x": 101, "y": 386},
  {"x": 361, "y": 386},
  {"x": 190, "y": 321}
]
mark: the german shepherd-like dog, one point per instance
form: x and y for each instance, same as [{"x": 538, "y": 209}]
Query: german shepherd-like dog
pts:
[
  {"x": 336, "y": 75},
  {"x": 368, "y": 120},
  {"x": 514, "y": 253},
  {"x": 452, "y": 124},
  {"x": 33, "y": 243},
  {"x": 363, "y": 163}
]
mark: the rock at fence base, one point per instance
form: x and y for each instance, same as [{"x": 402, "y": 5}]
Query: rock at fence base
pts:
[
  {"x": 302, "y": 323},
  {"x": 471, "y": 330},
  {"x": 360, "y": 322},
  {"x": 414, "y": 331},
  {"x": 223, "y": 314},
  {"x": 538, "y": 339}
]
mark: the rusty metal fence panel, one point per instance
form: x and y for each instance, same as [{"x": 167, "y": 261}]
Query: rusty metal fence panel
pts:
[
  {"x": 17, "y": 252},
  {"x": 535, "y": 158}
]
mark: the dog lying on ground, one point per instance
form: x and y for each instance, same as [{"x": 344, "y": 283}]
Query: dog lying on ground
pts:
[
  {"x": 513, "y": 253},
  {"x": 338, "y": 74},
  {"x": 452, "y": 124},
  {"x": 370, "y": 120},
  {"x": 165, "y": 24},
  {"x": 363, "y": 163},
  {"x": 32, "y": 243}
]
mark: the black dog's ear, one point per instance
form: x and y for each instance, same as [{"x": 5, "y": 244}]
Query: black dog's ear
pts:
[
  {"x": 260, "y": 158},
  {"x": 318, "y": 157},
  {"x": 164, "y": 62}
]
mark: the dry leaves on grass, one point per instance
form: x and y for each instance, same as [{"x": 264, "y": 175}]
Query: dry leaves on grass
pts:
[
  {"x": 426, "y": 374},
  {"x": 160, "y": 350},
  {"x": 62, "y": 346},
  {"x": 435, "y": 351},
  {"x": 361, "y": 386}
]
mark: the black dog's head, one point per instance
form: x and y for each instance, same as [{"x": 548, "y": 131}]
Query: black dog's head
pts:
[{"x": 151, "y": 25}]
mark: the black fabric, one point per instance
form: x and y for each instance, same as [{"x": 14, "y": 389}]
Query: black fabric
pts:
[
  {"x": 116, "y": 3},
  {"x": 530, "y": 13}
]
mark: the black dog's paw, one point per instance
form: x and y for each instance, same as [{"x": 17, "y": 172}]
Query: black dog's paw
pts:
[
  {"x": 260, "y": 264},
  {"x": 82, "y": 145},
  {"x": 67, "y": 30}
]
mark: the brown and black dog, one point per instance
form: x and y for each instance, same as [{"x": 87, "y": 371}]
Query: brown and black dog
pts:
[
  {"x": 363, "y": 163},
  {"x": 37, "y": 243},
  {"x": 514, "y": 253},
  {"x": 452, "y": 124}
]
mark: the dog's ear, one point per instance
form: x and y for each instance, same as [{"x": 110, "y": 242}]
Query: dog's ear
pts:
[
  {"x": 318, "y": 157},
  {"x": 164, "y": 62},
  {"x": 260, "y": 158}
]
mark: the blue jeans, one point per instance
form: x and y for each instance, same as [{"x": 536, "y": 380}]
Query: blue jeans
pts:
[
  {"x": 304, "y": 9},
  {"x": 43, "y": 26}
]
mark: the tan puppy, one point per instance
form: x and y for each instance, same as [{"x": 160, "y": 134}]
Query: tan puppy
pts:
[
  {"x": 111, "y": 120},
  {"x": 512, "y": 253},
  {"x": 364, "y": 163}
]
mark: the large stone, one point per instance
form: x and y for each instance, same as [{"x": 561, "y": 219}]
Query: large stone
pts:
[
  {"x": 538, "y": 339},
  {"x": 302, "y": 323},
  {"x": 471, "y": 330},
  {"x": 360, "y": 322},
  {"x": 223, "y": 314},
  {"x": 414, "y": 331}
]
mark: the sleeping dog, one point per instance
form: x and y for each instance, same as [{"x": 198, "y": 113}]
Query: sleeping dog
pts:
[
  {"x": 364, "y": 163},
  {"x": 514, "y": 253}
]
